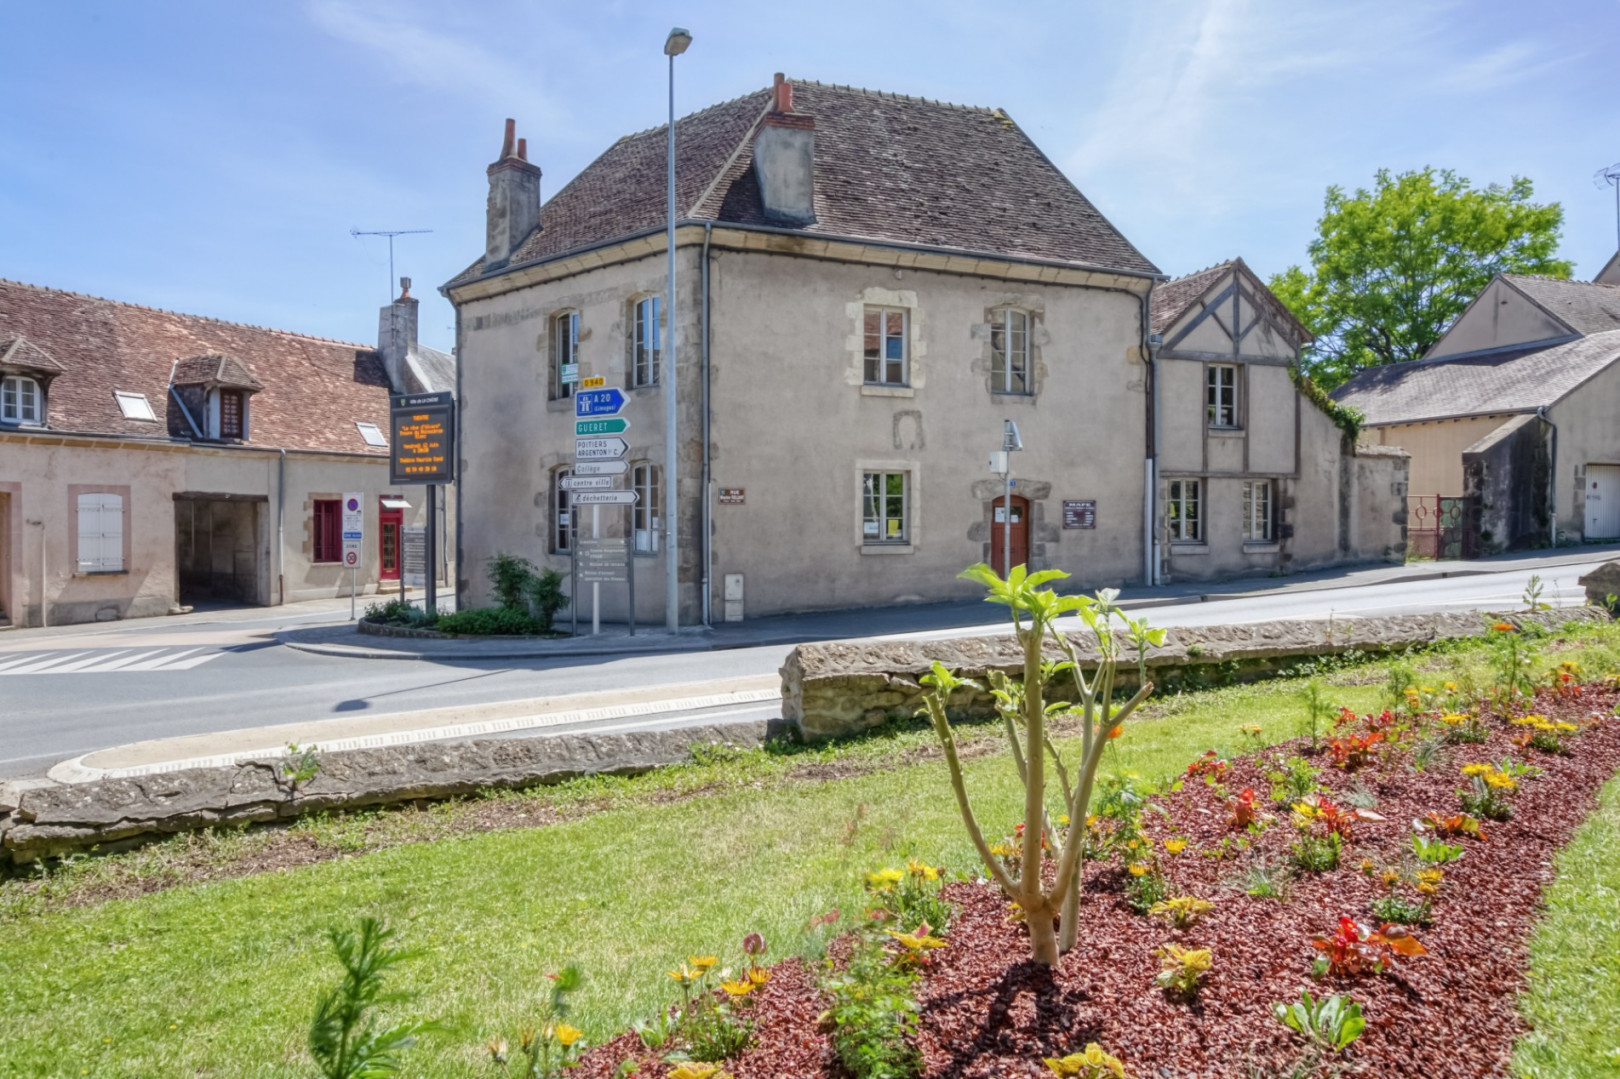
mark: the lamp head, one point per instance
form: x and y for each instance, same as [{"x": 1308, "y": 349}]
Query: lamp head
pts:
[{"x": 677, "y": 41}]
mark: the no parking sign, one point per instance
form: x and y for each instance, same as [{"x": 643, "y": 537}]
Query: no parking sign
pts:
[{"x": 354, "y": 528}]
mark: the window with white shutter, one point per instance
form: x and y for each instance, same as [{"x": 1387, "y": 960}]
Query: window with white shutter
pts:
[{"x": 101, "y": 533}]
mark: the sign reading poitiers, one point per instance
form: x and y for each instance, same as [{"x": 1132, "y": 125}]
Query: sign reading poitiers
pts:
[
  {"x": 599, "y": 449},
  {"x": 609, "y": 402},
  {"x": 422, "y": 449}
]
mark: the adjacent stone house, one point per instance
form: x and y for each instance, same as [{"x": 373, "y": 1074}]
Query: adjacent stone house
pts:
[
  {"x": 1509, "y": 418},
  {"x": 1253, "y": 476},
  {"x": 151, "y": 460},
  {"x": 869, "y": 285}
]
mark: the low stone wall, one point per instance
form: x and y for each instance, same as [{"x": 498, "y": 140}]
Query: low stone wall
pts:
[
  {"x": 41, "y": 820},
  {"x": 839, "y": 688}
]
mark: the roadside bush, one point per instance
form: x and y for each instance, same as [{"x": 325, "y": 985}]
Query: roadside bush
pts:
[
  {"x": 509, "y": 575},
  {"x": 522, "y": 587},
  {"x": 545, "y": 597},
  {"x": 399, "y": 612},
  {"x": 490, "y": 622}
]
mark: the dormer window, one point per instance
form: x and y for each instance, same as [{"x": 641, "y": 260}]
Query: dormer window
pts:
[
  {"x": 21, "y": 400},
  {"x": 230, "y": 414},
  {"x": 215, "y": 392}
]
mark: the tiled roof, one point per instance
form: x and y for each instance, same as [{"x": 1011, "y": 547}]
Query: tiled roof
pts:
[
  {"x": 17, "y": 352},
  {"x": 1585, "y": 306},
  {"x": 314, "y": 389},
  {"x": 887, "y": 167},
  {"x": 215, "y": 370},
  {"x": 1172, "y": 299},
  {"x": 1477, "y": 385},
  {"x": 431, "y": 371}
]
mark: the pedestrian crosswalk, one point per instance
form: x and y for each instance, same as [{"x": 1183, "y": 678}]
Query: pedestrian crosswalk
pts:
[{"x": 106, "y": 660}]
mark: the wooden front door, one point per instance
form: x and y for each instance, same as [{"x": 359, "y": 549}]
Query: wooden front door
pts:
[
  {"x": 1019, "y": 536},
  {"x": 389, "y": 523}
]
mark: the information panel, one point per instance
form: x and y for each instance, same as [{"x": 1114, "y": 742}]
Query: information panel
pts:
[
  {"x": 422, "y": 446},
  {"x": 1079, "y": 513}
]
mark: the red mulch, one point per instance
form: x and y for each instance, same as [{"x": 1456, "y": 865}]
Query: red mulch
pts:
[{"x": 988, "y": 1012}]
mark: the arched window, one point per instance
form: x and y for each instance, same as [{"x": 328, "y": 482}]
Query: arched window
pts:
[
  {"x": 563, "y": 525},
  {"x": 21, "y": 400},
  {"x": 1009, "y": 351},
  {"x": 564, "y": 354}
]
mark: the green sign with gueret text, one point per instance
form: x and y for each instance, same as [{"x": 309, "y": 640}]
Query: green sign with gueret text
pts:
[{"x": 615, "y": 425}]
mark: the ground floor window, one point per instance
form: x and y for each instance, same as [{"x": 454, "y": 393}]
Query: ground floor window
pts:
[
  {"x": 644, "y": 515},
  {"x": 884, "y": 500},
  {"x": 101, "y": 533},
  {"x": 1257, "y": 510},
  {"x": 563, "y": 526},
  {"x": 1184, "y": 512},
  {"x": 327, "y": 531}
]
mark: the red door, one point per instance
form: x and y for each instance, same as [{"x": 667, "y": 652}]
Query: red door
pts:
[
  {"x": 389, "y": 522},
  {"x": 1020, "y": 533}
]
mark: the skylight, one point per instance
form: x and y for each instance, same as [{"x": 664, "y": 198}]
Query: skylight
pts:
[
  {"x": 371, "y": 433},
  {"x": 134, "y": 406}
]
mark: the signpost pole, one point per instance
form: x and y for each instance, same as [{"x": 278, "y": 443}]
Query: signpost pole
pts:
[
  {"x": 573, "y": 565},
  {"x": 429, "y": 561},
  {"x": 351, "y": 593},
  {"x": 596, "y": 586},
  {"x": 630, "y": 567}
]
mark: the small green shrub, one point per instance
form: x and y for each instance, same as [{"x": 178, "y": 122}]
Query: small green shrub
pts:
[
  {"x": 509, "y": 576},
  {"x": 344, "y": 1037},
  {"x": 1317, "y": 854},
  {"x": 874, "y": 1015},
  {"x": 489, "y": 621},
  {"x": 398, "y": 612},
  {"x": 1330, "y": 1023},
  {"x": 544, "y": 594}
]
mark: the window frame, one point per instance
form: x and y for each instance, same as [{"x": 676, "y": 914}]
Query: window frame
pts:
[
  {"x": 564, "y": 350},
  {"x": 1258, "y": 513},
  {"x": 239, "y": 430},
  {"x": 881, "y": 537},
  {"x": 879, "y": 375},
  {"x": 646, "y": 480},
  {"x": 562, "y": 534},
  {"x": 11, "y": 400},
  {"x": 646, "y": 359},
  {"x": 326, "y": 531},
  {"x": 1180, "y": 526},
  {"x": 1002, "y": 356},
  {"x": 111, "y": 505},
  {"x": 1214, "y": 391}
]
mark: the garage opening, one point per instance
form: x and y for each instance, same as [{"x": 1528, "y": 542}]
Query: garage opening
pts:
[{"x": 221, "y": 550}]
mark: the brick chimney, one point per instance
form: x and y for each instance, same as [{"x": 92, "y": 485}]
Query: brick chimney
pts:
[
  {"x": 514, "y": 200},
  {"x": 396, "y": 336},
  {"x": 785, "y": 160}
]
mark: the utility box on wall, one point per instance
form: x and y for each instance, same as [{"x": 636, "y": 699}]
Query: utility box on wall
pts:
[{"x": 734, "y": 597}]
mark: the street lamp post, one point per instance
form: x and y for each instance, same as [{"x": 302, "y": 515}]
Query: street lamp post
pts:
[{"x": 674, "y": 45}]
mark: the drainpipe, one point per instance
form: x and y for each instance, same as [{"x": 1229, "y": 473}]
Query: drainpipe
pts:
[
  {"x": 707, "y": 480},
  {"x": 281, "y": 527},
  {"x": 44, "y": 583},
  {"x": 1552, "y": 479},
  {"x": 1150, "y": 463}
]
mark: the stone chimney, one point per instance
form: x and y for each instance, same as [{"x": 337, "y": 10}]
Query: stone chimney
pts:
[
  {"x": 785, "y": 160},
  {"x": 396, "y": 336},
  {"x": 514, "y": 200}
]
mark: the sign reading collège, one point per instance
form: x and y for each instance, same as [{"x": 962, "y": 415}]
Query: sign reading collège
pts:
[{"x": 422, "y": 439}]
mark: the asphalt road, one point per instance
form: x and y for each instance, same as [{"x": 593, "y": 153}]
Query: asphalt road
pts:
[{"x": 79, "y": 690}]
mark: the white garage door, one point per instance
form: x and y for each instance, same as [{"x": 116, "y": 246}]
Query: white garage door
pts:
[{"x": 1603, "y": 502}]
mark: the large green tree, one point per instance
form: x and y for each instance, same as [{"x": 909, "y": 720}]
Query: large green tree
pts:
[{"x": 1392, "y": 267}]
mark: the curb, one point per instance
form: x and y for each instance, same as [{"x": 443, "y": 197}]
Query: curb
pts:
[{"x": 626, "y": 647}]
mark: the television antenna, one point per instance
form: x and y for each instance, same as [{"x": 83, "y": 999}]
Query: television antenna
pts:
[
  {"x": 390, "y": 233},
  {"x": 1610, "y": 177}
]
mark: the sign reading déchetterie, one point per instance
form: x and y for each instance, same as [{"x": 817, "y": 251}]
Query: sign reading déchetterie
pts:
[{"x": 423, "y": 438}]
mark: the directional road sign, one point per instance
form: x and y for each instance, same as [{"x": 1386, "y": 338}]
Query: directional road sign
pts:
[
  {"x": 603, "y": 498},
  {"x": 601, "y": 468},
  {"x": 608, "y": 402},
  {"x": 587, "y": 483},
  {"x": 615, "y": 425},
  {"x": 599, "y": 449}
]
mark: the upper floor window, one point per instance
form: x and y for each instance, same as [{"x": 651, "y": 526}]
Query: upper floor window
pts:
[
  {"x": 1223, "y": 395},
  {"x": 885, "y": 347},
  {"x": 884, "y": 507},
  {"x": 564, "y": 354},
  {"x": 644, "y": 515},
  {"x": 21, "y": 400},
  {"x": 1257, "y": 510},
  {"x": 1009, "y": 351},
  {"x": 232, "y": 414},
  {"x": 563, "y": 526},
  {"x": 645, "y": 350},
  {"x": 1184, "y": 512}
]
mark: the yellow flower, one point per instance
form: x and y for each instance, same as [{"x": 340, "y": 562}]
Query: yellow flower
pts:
[
  {"x": 759, "y": 975},
  {"x": 1063, "y": 820},
  {"x": 691, "y": 1069},
  {"x": 737, "y": 988},
  {"x": 1092, "y": 1062},
  {"x": 1367, "y": 866},
  {"x": 1251, "y": 729},
  {"x": 567, "y": 1035},
  {"x": 1138, "y": 869},
  {"x": 1565, "y": 727},
  {"x": 1390, "y": 878},
  {"x": 1426, "y": 689},
  {"x": 922, "y": 869},
  {"x": 1450, "y": 687},
  {"x": 1477, "y": 770},
  {"x": 1501, "y": 781},
  {"x": 884, "y": 880},
  {"x": 686, "y": 974},
  {"x": 1175, "y": 846},
  {"x": 1002, "y": 850},
  {"x": 1453, "y": 719},
  {"x": 702, "y": 962},
  {"x": 917, "y": 941}
]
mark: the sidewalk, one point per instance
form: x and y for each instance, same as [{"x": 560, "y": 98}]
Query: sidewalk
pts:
[{"x": 789, "y": 629}]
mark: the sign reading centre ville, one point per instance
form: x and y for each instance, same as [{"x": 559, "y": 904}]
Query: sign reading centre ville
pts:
[{"x": 422, "y": 449}]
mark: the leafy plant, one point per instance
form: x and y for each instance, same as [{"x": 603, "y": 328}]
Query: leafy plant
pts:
[
  {"x": 1401, "y": 910},
  {"x": 1353, "y": 950},
  {"x": 1242, "y": 813},
  {"x": 1532, "y": 594},
  {"x": 523, "y": 589},
  {"x": 1182, "y": 970},
  {"x": 301, "y": 764},
  {"x": 345, "y": 1037},
  {"x": 1545, "y": 734},
  {"x": 1489, "y": 792},
  {"x": 1264, "y": 879},
  {"x": 910, "y": 895},
  {"x": 1331, "y": 1023},
  {"x": 1361, "y": 796},
  {"x": 711, "y": 1028},
  {"x": 1513, "y": 661},
  {"x": 1354, "y": 750},
  {"x": 399, "y": 612},
  {"x": 1315, "y": 853},
  {"x": 1455, "y": 824},
  {"x": 1318, "y": 711},
  {"x": 556, "y": 1044},
  {"x": 873, "y": 1015},
  {"x": 489, "y": 622},
  {"x": 1100, "y": 717},
  {"x": 1428, "y": 753},
  {"x": 1435, "y": 851},
  {"x": 1181, "y": 911},
  {"x": 1145, "y": 886},
  {"x": 1092, "y": 1063},
  {"x": 544, "y": 595},
  {"x": 509, "y": 576},
  {"x": 1293, "y": 780}
]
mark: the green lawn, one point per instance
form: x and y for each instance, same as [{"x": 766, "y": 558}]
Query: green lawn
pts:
[{"x": 219, "y": 979}]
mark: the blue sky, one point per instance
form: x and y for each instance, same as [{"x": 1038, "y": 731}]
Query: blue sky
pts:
[{"x": 212, "y": 157}]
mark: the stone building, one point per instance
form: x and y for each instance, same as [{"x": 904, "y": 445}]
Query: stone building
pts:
[
  {"x": 869, "y": 285},
  {"x": 151, "y": 460},
  {"x": 1509, "y": 418}
]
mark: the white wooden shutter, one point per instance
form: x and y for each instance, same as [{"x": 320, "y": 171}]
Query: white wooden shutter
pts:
[{"x": 101, "y": 533}]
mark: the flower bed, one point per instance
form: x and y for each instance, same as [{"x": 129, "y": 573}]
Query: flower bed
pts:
[{"x": 986, "y": 1010}]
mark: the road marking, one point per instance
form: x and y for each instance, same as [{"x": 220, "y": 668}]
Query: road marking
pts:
[
  {"x": 75, "y": 771},
  {"x": 99, "y": 662}
]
